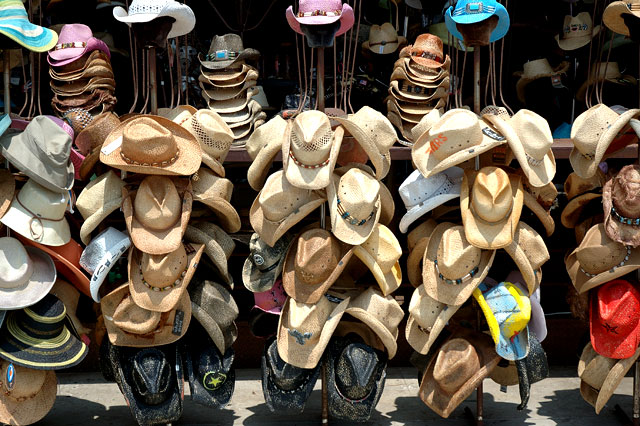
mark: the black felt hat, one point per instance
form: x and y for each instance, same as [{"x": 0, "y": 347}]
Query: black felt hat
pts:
[{"x": 531, "y": 369}]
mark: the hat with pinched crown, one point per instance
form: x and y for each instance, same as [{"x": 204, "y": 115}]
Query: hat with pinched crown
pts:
[
  {"x": 383, "y": 39},
  {"x": 381, "y": 253},
  {"x": 264, "y": 264},
  {"x": 226, "y": 51},
  {"x": 215, "y": 192},
  {"x": 529, "y": 252},
  {"x": 100, "y": 198},
  {"x": 622, "y": 206},
  {"x": 577, "y": 31},
  {"x": 214, "y": 135}
]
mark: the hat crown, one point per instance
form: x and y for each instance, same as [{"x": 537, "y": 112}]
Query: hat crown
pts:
[
  {"x": 382, "y": 33},
  {"x": 96, "y": 132},
  {"x": 358, "y": 193},
  {"x": 16, "y": 266},
  {"x": 492, "y": 195},
  {"x": 576, "y": 185},
  {"x": 209, "y": 185},
  {"x": 532, "y": 245},
  {"x": 279, "y": 199},
  {"x": 510, "y": 307},
  {"x": 457, "y": 130},
  {"x": 147, "y": 142},
  {"x": 598, "y": 253},
  {"x": 216, "y": 301},
  {"x": 456, "y": 363},
  {"x": 265, "y": 256},
  {"x": 157, "y": 204},
  {"x": 106, "y": 189},
  {"x": 323, "y": 5},
  {"x": 162, "y": 270},
  {"x": 133, "y": 319},
  {"x": 534, "y": 133},
  {"x": 589, "y": 127},
  {"x": 317, "y": 255},
  {"x": 618, "y": 304},
  {"x": 43, "y": 203},
  {"x": 311, "y": 138},
  {"x": 424, "y": 309},
  {"x": 605, "y": 71},
  {"x": 27, "y": 382},
  {"x": 384, "y": 248},
  {"x": 537, "y": 67},
  {"x": 417, "y": 189},
  {"x": 232, "y": 42},
  {"x": 625, "y": 191},
  {"x": 212, "y": 132},
  {"x": 74, "y": 32},
  {"x": 456, "y": 257},
  {"x": 50, "y": 140},
  {"x": 306, "y": 321},
  {"x": 376, "y": 126},
  {"x": 151, "y": 375},
  {"x": 577, "y": 26},
  {"x": 427, "y": 43},
  {"x": 384, "y": 309}
]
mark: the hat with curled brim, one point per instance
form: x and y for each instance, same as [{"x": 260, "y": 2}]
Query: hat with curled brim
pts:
[
  {"x": 218, "y": 245},
  {"x": 146, "y": 11},
  {"x": 7, "y": 190},
  {"x": 621, "y": 206},
  {"x": 262, "y": 146},
  {"x": 215, "y": 192},
  {"x": 314, "y": 12},
  {"x": 615, "y": 13},
  {"x": 417, "y": 241},
  {"x": 381, "y": 253},
  {"x": 529, "y": 252},
  {"x": 231, "y": 105},
  {"x": 264, "y": 264},
  {"x": 580, "y": 193},
  {"x": 227, "y": 52},
  {"x": 215, "y": 309}
]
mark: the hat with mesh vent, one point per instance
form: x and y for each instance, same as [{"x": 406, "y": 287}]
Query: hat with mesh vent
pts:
[
  {"x": 214, "y": 135},
  {"x": 148, "y": 10}
]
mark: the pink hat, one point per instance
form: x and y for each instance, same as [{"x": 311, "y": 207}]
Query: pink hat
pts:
[
  {"x": 271, "y": 301},
  {"x": 74, "y": 41},
  {"x": 321, "y": 12}
]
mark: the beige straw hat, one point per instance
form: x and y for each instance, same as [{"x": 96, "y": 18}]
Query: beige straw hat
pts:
[
  {"x": 381, "y": 253},
  {"x": 262, "y": 146},
  {"x": 179, "y": 115},
  {"x": 239, "y": 81},
  {"x": 157, "y": 213},
  {"x": 151, "y": 145},
  {"x": 577, "y": 31},
  {"x": 100, "y": 198},
  {"x": 383, "y": 39},
  {"x": 451, "y": 267},
  {"x": 580, "y": 192},
  {"x": 70, "y": 296},
  {"x": 226, "y": 74},
  {"x": 426, "y": 122},
  {"x": 423, "y": 74},
  {"x": 90, "y": 139},
  {"x": 7, "y": 190},
  {"x": 535, "y": 70},
  {"x": 491, "y": 202},
  {"x": 529, "y": 252},
  {"x": 213, "y": 94},
  {"x": 215, "y": 193},
  {"x": 614, "y": 13},
  {"x": 29, "y": 397},
  {"x": 407, "y": 118},
  {"x": 234, "y": 104},
  {"x": 406, "y": 91},
  {"x": 622, "y": 206},
  {"x": 218, "y": 246},
  {"x": 214, "y": 135},
  {"x": 605, "y": 71},
  {"x": 417, "y": 241}
]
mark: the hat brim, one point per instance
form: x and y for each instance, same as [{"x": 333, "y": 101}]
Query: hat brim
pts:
[
  {"x": 387, "y": 281},
  {"x": 33, "y": 409},
  {"x": 219, "y": 397},
  {"x": 224, "y": 211},
  {"x": 367, "y": 143},
  {"x": 232, "y": 105},
  {"x": 224, "y": 75},
  {"x": 422, "y": 336},
  {"x": 7, "y": 190},
  {"x": 54, "y": 233},
  {"x": 498, "y": 32},
  {"x": 613, "y": 17},
  {"x": 104, "y": 267},
  {"x": 31, "y": 37},
  {"x": 57, "y": 58},
  {"x": 414, "y": 262},
  {"x": 532, "y": 277},
  {"x": 573, "y": 210},
  {"x": 576, "y": 42},
  {"x": 389, "y": 340},
  {"x": 236, "y": 82},
  {"x": 223, "y": 94},
  {"x": 258, "y": 281},
  {"x": 436, "y": 93},
  {"x": 211, "y": 248},
  {"x": 346, "y": 18},
  {"x": 183, "y": 15},
  {"x": 92, "y": 222},
  {"x": 37, "y": 286},
  {"x": 265, "y": 144}
]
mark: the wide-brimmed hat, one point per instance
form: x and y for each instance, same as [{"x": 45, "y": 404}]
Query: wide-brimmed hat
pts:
[
  {"x": 458, "y": 136},
  {"x": 537, "y": 69},
  {"x": 381, "y": 253},
  {"x": 157, "y": 282},
  {"x": 491, "y": 202},
  {"x": 214, "y": 135},
  {"x": 152, "y": 145},
  {"x": 227, "y": 80},
  {"x": 418, "y": 73},
  {"x": 218, "y": 245},
  {"x": 223, "y": 76},
  {"x": 100, "y": 198},
  {"x": 614, "y": 15},
  {"x": 74, "y": 41},
  {"x": 226, "y": 51},
  {"x": 279, "y": 206},
  {"x": 39, "y": 215},
  {"x": 317, "y": 12},
  {"x": 216, "y": 310},
  {"x": 66, "y": 82},
  {"x": 599, "y": 259},
  {"x": 622, "y": 206},
  {"x": 426, "y": 52},
  {"x": 383, "y": 39},
  {"x": 214, "y": 94},
  {"x": 577, "y": 31},
  {"x": 473, "y": 12},
  {"x": 148, "y": 10},
  {"x": 264, "y": 264},
  {"x": 215, "y": 192},
  {"x": 313, "y": 263},
  {"x": 608, "y": 72},
  {"x": 457, "y": 369},
  {"x": 529, "y": 252},
  {"x": 16, "y": 26},
  {"x": 157, "y": 213},
  {"x": 180, "y": 114},
  {"x": 7, "y": 190},
  {"x": 581, "y": 194},
  {"x": 421, "y": 195},
  {"x": 262, "y": 146},
  {"x": 451, "y": 267},
  {"x": 29, "y": 394},
  {"x": 232, "y": 105},
  {"x": 272, "y": 300},
  {"x": 417, "y": 241},
  {"x": 70, "y": 296},
  {"x": 90, "y": 139},
  {"x": 404, "y": 90}
]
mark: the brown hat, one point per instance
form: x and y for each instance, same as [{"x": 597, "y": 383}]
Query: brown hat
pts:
[
  {"x": 381, "y": 253},
  {"x": 215, "y": 193},
  {"x": 152, "y": 145},
  {"x": 218, "y": 245},
  {"x": 313, "y": 263},
  {"x": 451, "y": 267},
  {"x": 426, "y": 52},
  {"x": 28, "y": 395},
  {"x": 7, "y": 190},
  {"x": 157, "y": 213},
  {"x": 100, "y": 198},
  {"x": 419, "y": 73},
  {"x": 214, "y": 135},
  {"x": 529, "y": 252},
  {"x": 491, "y": 202},
  {"x": 417, "y": 241},
  {"x": 580, "y": 192},
  {"x": 621, "y": 205},
  {"x": 599, "y": 259},
  {"x": 90, "y": 139},
  {"x": 615, "y": 13}
]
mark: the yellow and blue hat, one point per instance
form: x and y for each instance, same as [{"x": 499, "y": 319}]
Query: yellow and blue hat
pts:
[
  {"x": 14, "y": 23},
  {"x": 472, "y": 12}
]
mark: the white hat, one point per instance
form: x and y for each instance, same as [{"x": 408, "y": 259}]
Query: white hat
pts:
[{"x": 148, "y": 10}]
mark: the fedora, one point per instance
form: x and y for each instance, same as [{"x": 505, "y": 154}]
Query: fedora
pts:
[
  {"x": 426, "y": 52},
  {"x": 421, "y": 195},
  {"x": 312, "y": 264},
  {"x": 381, "y": 253},
  {"x": 16, "y": 26},
  {"x": 608, "y": 72},
  {"x": 214, "y": 308},
  {"x": 151, "y": 145},
  {"x": 577, "y": 31},
  {"x": 215, "y": 138},
  {"x": 215, "y": 192},
  {"x": 535, "y": 70},
  {"x": 28, "y": 395},
  {"x": 264, "y": 264},
  {"x": 621, "y": 206},
  {"x": 218, "y": 246},
  {"x": 491, "y": 206},
  {"x": 157, "y": 213},
  {"x": 226, "y": 51},
  {"x": 417, "y": 241},
  {"x": 599, "y": 259},
  {"x": 451, "y": 267},
  {"x": 90, "y": 139},
  {"x": 279, "y": 206},
  {"x": 383, "y": 39},
  {"x": 101, "y": 255},
  {"x": 317, "y": 12},
  {"x": 581, "y": 193},
  {"x": 262, "y": 146},
  {"x": 474, "y": 12},
  {"x": 74, "y": 41},
  {"x": 38, "y": 214},
  {"x": 458, "y": 136},
  {"x": 100, "y": 198},
  {"x": 157, "y": 282},
  {"x": 7, "y": 190},
  {"x": 614, "y": 15},
  {"x": 128, "y": 324},
  {"x": 149, "y": 10},
  {"x": 529, "y": 252}
]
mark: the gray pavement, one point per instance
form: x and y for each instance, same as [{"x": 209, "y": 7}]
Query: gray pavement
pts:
[{"x": 87, "y": 399}]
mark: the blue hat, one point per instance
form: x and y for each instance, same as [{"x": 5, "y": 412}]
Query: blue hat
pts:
[
  {"x": 14, "y": 23},
  {"x": 472, "y": 12}
]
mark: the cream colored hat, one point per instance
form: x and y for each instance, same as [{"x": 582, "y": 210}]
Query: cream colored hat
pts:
[
  {"x": 577, "y": 31},
  {"x": 383, "y": 39},
  {"x": 417, "y": 241},
  {"x": 215, "y": 192},
  {"x": 262, "y": 146},
  {"x": 179, "y": 114},
  {"x": 534, "y": 70},
  {"x": 426, "y": 122},
  {"x": 529, "y": 252},
  {"x": 214, "y": 135},
  {"x": 100, "y": 198},
  {"x": 381, "y": 253}
]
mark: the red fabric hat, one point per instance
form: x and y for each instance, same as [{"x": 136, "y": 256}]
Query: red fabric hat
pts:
[{"x": 615, "y": 319}]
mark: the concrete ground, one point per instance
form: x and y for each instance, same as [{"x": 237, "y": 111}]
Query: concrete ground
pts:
[{"x": 87, "y": 399}]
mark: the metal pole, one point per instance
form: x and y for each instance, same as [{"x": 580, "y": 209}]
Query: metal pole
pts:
[
  {"x": 153, "y": 83},
  {"x": 320, "y": 79},
  {"x": 636, "y": 395},
  {"x": 476, "y": 105},
  {"x": 7, "y": 80}
]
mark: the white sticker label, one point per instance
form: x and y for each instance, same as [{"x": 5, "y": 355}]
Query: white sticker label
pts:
[
  {"x": 381, "y": 51},
  {"x": 106, "y": 150}
]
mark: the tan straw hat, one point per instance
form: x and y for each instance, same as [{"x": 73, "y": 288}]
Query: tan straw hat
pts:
[
  {"x": 29, "y": 396},
  {"x": 529, "y": 252},
  {"x": 214, "y": 135},
  {"x": 215, "y": 193},
  {"x": 251, "y": 74},
  {"x": 535, "y": 70},
  {"x": 417, "y": 241},
  {"x": 622, "y": 206},
  {"x": 262, "y": 146},
  {"x": 157, "y": 213},
  {"x": 90, "y": 139},
  {"x": 383, "y": 39},
  {"x": 70, "y": 296},
  {"x": 313, "y": 263},
  {"x": 381, "y": 253},
  {"x": 491, "y": 202},
  {"x": 218, "y": 246},
  {"x": 234, "y": 104},
  {"x": 226, "y": 74},
  {"x": 152, "y": 145},
  {"x": 7, "y": 190},
  {"x": 451, "y": 267},
  {"x": 605, "y": 71},
  {"x": 580, "y": 192},
  {"x": 420, "y": 73},
  {"x": 179, "y": 114},
  {"x": 407, "y": 91},
  {"x": 614, "y": 14},
  {"x": 100, "y": 198},
  {"x": 426, "y": 52},
  {"x": 577, "y": 31}
]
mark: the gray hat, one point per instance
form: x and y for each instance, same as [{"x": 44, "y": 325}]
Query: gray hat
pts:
[
  {"x": 218, "y": 245},
  {"x": 264, "y": 264},
  {"x": 214, "y": 308},
  {"x": 226, "y": 51}
]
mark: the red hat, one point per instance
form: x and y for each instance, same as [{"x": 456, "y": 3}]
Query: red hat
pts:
[{"x": 615, "y": 319}]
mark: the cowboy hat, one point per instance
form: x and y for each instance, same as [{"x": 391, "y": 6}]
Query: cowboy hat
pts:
[
  {"x": 417, "y": 241},
  {"x": 620, "y": 203},
  {"x": 316, "y": 12},
  {"x": 529, "y": 252},
  {"x": 537, "y": 323},
  {"x": 100, "y": 198},
  {"x": 426, "y": 52},
  {"x": 214, "y": 94},
  {"x": 70, "y": 296},
  {"x": 29, "y": 394},
  {"x": 473, "y": 12},
  {"x": 580, "y": 193},
  {"x": 608, "y": 72},
  {"x": 381, "y": 253},
  {"x": 148, "y": 10},
  {"x": 264, "y": 264},
  {"x": 226, "y": 51},
  {"x": 214, "y": 135},
  {"x": 236, "y": 83},
  {"x": 531, "y": 369},
  {"x": 577, "y": 31},
  {"x": 90, "y": 139},
  {"x": 16, "y": 26},
  {"x": 180, "y": 114},
  {"x": 383, "y": 39},
  {"x": 215, "y": 309},
  {"x": 262, "y": 146},
  {"x": 218, "y": 246},
  {"x": 74, "y": 41},
  {"x": 215, "y": 192},
  {"x": 534, "y": 70},
  {"x": 614, "y": 15},
  {"x": 232, "y": 105}
]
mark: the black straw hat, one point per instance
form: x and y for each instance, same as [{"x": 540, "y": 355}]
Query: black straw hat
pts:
[{"x": 531, "y": 369}]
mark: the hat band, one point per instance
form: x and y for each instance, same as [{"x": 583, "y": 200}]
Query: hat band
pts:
[
  {"x": 474, "y": 8},
  {"x": 72, "y": 44},
  {"x": 624, "y": 220},
  {"x": 383, "y": 42},
  {"x": 36, "y": 218},
  {"x": 155, "y": 164},
  {"x": 458, "y": 281},
  {"x": 258, "y": 260},
  {"x": 222, "y": 55},
  {"x": 619, "y": 265},
  {"x": 427, "y": 55},
  {"x": 307, "y": 166},
  {"x": 352, "y": 220},
  {"x": 532, "y": 161},
  {"x": 330, "y": 13},
  {"x": 414, "y": 88}
]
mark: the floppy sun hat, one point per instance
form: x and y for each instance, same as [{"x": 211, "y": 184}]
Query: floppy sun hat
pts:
[
  {"x": 148, "y": 10},
  {"x": 321, "y": 12},
  {"x": 473, "y": 12},
  {"x": 15, "y": 24}
]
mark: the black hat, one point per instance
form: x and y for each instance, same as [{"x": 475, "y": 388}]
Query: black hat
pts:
[
  {"x": 531, "y": 369},
  {"x": 286, "y": 388}
]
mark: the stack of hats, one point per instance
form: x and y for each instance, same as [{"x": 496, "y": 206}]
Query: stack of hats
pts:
[
  {"x": 228, "y": 83},
  {"x": 419, "y": 83},
  {"x": 81, "y": 76},
  {"x": 338, "y": 279}
]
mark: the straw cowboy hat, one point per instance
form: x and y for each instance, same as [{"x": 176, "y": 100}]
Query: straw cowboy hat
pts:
[
  {"x": 152, "y": 145},
  {"x": 262, "y": 146},
  {"x": 7, "y": 190},
  {"x": 621, "y": 206},
  {"x": 473, "y": 12},
  {"x": 264, "y": 264},
  {"x": 214, "y": 94},
  {"x": 100, "y": 198},
  {"x": 418, "y": 73},
  {"x": 317, "y": 12},
  {"x": 580, "y": 193},
  {"x": 535, "y": 70},
  {"x": 600, "y": 376},
  {"x": 74, "y": 41},
  {"x": 451, "y": 267},
  {"x": 310, "y": 152},
  {"x": 381, "y": 253},
  {"x": 458, "y": 136},
  {"x": 29, "y": 394},
  {"x": 148, "y": 10},
  {"x": 383, "y": 39},
  {"x": 426, "y": 52},
  {"x": 70, "y": 296},
  {"x": 404, "y": 90},
  {"x": 459, "y": 367},
  {"x": 608, "y": 72},
  {"x": 313, "y": 263},
  {"x": 16, "y": 26},
  {"x": 417, "y": 241},
  {"x": 90, "y": 139},
  {"x": 226, "y": 51},
  {"x": 180, "y": 114},
  {"x": 237, "y": 83},
  {"x": 218, "y": 246},
  {"x": 529, "y": 252},
  {"x": 279, "y": 206},
  {"x": 215, "y": 193},
  {"x": 598, "y": 259},
  {"x": 490, "y": 206},
  {"x": 216, "y": 310},
  {"x": 157, "y": 213},
  {"x": 615, "y": 13},
  {"x": 214, "y": 135},
  {"x": 577, "y": 31},
  {"x": 304, "y": 330},
  {"x": 62, "y": 82}
]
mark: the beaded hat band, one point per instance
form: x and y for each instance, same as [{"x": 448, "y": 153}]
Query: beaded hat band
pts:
[
  {"x": 619, "y": 265},
  {"x": 624, "y": 220},
  {"x": 458, "y": 281},
  {"x": 72, "y": 44},
  {"x": 352, "y": 220}
]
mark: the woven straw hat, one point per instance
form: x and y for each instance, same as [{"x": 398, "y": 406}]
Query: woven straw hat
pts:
[
  {"x": 580, "y": 192},
  {"x": 354, "y": 206},
  {"x": 89, "y": 141},
  {"x": 219, "y": 58},
  {"x": 381, "y": 253},
  {"x": 383, "y": 39},
  {"x": 179, "y": 114},
  {"x": 7, "y": 190},
  {"x": 534, "y": 70},
  {"x": 263, "y": 145},
  {"x": 250, "y": 112},
  {"x": 157, "y": 213},
  {"x": 100, "y": 198},
  {"x": 459, "y": 367},
  {"x": 458, "y": 136},
  {"x": 264, "y": 264},
  {"x": 622, "y": 206},
  {"x": 304, "y": 330},
  {"x": 598, "y": 259},
  {"x": 577, "y": 31},
  {"x": 420, "y": 73},
  {"x": 220, "y": 76},
  {"x": 529, "y": 252},
  {"x": 218, "y": 246},
  {"x": 491, "y": 207},
  {"x": 613, "y": 16},
  {"x": 152, "y": 145},
  {"x": 590, "y": 142},
  {"x": 310, "y": 153},
  {"x": 215, "y": 193},
  {"x": 216, "y": 310},
  {"x": 426, "y": 122},
  {"x": 130, "y": 325},
  {"x": 279, "y": 206},
  {"x": 406, "y": 78},
  {"x": 426, "y": 51},
  {"x": 313, "y": 263},
  {"x": 606, "y": 71},
  {"x": 214, "y": 135},
  {"x": 214, "y": 94},
  {"x": 451, "y": 267},
  {"x": 407, "y": 92},
  {"x": 251, "y": 74},
  {"x": 234, "y": 104},
  {"x": 417, "y": 241},
  {"x": 427, "y": 319}
]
